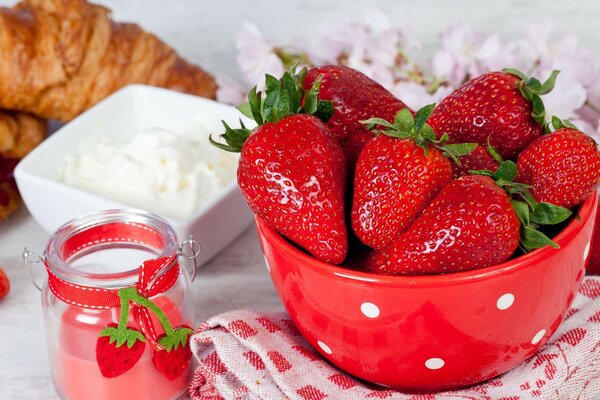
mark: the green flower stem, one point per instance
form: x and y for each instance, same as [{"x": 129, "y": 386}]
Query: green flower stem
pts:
[{"x": 131, "y": 294}]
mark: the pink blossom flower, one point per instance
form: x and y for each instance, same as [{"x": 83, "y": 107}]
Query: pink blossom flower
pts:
[
  {"x": 256, "y": 56},
  {"x": 466, "y": 53},
  {"x": 228, "y": 90},
  {"x": 565, "y": 99}
]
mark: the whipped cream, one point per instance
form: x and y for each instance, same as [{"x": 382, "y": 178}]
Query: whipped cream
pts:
[{"x": 168, "y": 173}]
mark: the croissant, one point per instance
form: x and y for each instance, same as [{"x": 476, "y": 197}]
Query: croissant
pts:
[
  {"x": 19, "y": 134},
  {"x": 60, "y": 57}
]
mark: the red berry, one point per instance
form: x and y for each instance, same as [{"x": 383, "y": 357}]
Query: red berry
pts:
[
  {"x": 173, "y": 360},
  {"x": 394, "y": 181},
  {"x": 355, "y": 97},
  {"x": 492, "y": 107},
  {"x": 292, "y": 174},
  {"x": 470, "y": 224},
  {"x": 563, "y": 168},
  {"x": 478, "y": 159},
  {"x": 4, "y": 284}
]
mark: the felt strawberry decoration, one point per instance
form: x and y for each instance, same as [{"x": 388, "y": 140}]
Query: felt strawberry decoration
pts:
[
  {"x": 175, "y": 356},
  {"x": 119, "y": 347}
]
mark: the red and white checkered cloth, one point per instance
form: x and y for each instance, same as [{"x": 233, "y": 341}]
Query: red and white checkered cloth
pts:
[{"x": 251, "y": 355}]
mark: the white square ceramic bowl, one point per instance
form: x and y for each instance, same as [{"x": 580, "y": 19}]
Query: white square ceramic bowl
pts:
[{"x": 126, "y": 112}]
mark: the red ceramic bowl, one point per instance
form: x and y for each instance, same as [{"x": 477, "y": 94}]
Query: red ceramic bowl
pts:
[{"x": 425, "y": 333}]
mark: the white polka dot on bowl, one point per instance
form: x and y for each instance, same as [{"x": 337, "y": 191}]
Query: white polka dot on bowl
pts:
[
  {"x": 538, "y": 336},
  {"x": 434, "y": 363},
  {"x": 505, "y": 301},
  {"x": 369, "y": 310},
  {"x": 324, "y": 347}
]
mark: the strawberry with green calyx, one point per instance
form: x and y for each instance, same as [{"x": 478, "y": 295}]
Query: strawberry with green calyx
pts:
[
  {"x": 479, "y": 158},
  {"x": 355, "y": 97},
  {"x": 292, "y": 171},
  {"x": 562, "y": 167},
  {"x": 119, "y": 348},
  {"x": 503, "y": 107},
  {"x": 397, "y": 174},
  {"x": 532, "y": 214}
]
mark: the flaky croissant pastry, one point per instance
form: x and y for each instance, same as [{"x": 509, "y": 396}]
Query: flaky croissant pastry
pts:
[
  {"x": 60, "y": 57},
  {"x": 19, "y": 134}
]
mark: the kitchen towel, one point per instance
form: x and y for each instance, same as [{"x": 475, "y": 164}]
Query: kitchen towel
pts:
[{"x": 253, "y": 355}]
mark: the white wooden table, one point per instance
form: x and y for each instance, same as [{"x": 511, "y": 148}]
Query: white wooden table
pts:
[{"x": 203, "y": 31}]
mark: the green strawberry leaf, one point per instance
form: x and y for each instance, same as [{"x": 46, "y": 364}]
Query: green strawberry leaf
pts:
[
  {"x": 422, "y": 116},
  {"x": 516, "y": 72},
  {"x": 234, "y": 138},
  {"x": 371, "y": 123},
  {"x": 324, "y": 110},
  {"x": 245, "y": 109},
  {"x": 254, "y": 100},
  {"x": 404, "y": 120},
  {"x": 533, "y": 239},
  {"x": 548, "y": 85},
  {"x": 455, "y": 151},
  {"x": 549, "y": 214},
  {"x": 522, "y": 211},
  {"x": 493, "y": 152},
  {"x": 507, "y": 171},
  {"x": 485, "y": 172}
]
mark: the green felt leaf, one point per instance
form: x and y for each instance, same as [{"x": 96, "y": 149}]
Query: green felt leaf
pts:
[
  {"x": 178, "y": 338},
  {"x": 122, "y": 336},
  {"x": 549, "y": 214}
]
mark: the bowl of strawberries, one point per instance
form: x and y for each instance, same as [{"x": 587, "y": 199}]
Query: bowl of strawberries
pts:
[{"x": 421, "y": 250}]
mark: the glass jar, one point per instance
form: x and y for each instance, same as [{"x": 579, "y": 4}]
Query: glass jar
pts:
[{"x": 113, "y": 275}]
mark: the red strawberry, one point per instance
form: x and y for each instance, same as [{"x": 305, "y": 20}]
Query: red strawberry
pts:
[
  {"x": 292, "y": 171},
  {"x": 118, "y": 350},
  {"x": 478, "y": 159},
  {"x": 173, "y": 360},
  {"x": 396, "y": 175},
  {"x": 470, "y": 224},
  {"x": 563, "y": 168},
  {"x": 4, "y": 284},
  {"x": 503, "y": 108},
  {"x": 355, "y": 97},
  {"x": 594, "y": 260}
]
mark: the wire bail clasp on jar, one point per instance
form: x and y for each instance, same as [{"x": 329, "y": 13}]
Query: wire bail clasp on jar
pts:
[
  {"x": 190, "y": 249},
  {"x": 32, "y": 258}
]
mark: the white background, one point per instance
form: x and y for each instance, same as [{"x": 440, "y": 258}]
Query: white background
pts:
[{"x": 204, "y": 31}]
